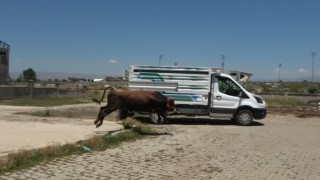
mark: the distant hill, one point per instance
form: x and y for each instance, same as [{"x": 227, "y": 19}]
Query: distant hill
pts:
[
  {"x": 59, "y": 75},
  {"x": 316, "y": 79}
]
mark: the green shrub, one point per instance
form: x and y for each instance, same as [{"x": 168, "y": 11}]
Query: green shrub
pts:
[
  {"x": 313, "y": 90},
  {"x": 283, "y": 101}
]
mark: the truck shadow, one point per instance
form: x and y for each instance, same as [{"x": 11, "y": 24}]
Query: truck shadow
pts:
[
  {"x": 200, "y": 121},
  {"x": 207, "y": 121}
]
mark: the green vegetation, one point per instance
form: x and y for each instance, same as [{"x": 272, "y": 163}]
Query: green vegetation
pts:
[
  {"x": 290, "y": 87},
  {"x": 313, "y": 89},
  {"x": 49, "y": 101},
  {"x": 27, "y": 158},
  {"x": 284, "y": 101},
  {"x": 137, "y": 126},
  {"x": 27, "y": 75}
]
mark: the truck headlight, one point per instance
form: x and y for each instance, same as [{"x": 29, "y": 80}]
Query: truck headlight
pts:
[{"x": 259, "y": 100}]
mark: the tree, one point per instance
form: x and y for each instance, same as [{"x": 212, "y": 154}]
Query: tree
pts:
[
  {"x": 29, "y": 74},
  {"x": 20, "y": 78}
]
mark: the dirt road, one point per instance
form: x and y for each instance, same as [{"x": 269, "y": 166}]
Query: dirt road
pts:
[
  {"x": 280, "y": 147},
  {"x": 18, "y": 130}
]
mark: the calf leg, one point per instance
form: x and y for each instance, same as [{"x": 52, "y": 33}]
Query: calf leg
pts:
[
  {"x": 104, "y": 111},
  {"x": 123, "y": 113}
]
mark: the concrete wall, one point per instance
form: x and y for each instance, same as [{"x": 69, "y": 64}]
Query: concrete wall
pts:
[{"x": 27, "y": 92}]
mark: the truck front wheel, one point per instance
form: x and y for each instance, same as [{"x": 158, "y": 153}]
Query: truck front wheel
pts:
[
  {"x": 154, "y": 118},
  {"x": 244, "y": 117}
]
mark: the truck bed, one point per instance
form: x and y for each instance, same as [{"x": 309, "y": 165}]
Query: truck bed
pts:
[{"x": 186, "y": 85}]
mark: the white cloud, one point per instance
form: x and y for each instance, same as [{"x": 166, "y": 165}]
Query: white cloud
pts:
[
  {"x": 18, "y": 59},
  {"x": 301, "y": 70},
  {"x": 276, "y": 70},
  {"x": 112, "y": 61}
]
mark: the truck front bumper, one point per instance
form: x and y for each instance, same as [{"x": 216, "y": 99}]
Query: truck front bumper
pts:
[{"x": 259, "y": 113}]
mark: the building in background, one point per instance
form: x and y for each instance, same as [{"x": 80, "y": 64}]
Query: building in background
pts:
[
  {"x": 240, "y": 76},
  {"x": 4, "y": 62}
]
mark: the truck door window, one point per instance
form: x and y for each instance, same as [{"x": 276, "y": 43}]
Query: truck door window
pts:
[{"x": 228, "y": 87}]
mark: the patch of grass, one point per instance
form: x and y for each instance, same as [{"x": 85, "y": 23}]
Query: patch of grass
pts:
[
  {"x": 27, "y": 158},
  {"x": 284, "y": 102},
  {"x": 137, "y": 126},
  {"x": 47, "y": 102}
]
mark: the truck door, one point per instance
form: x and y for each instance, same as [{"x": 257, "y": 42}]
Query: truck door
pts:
[{"x": 225, "y": 97}]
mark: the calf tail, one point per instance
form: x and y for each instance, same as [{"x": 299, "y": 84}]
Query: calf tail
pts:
[{"x": 104, "y": 92}]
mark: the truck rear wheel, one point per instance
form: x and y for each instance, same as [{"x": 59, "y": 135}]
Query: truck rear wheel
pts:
[
  {"x": 244, "y": 117},
  {"x": 154, "y": 118}
]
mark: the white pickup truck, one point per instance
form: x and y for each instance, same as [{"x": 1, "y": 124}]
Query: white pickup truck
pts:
[{"x": 199, "y": 91}]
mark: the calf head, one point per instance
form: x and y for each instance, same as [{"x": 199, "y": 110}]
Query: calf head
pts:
[{"x": 170, "y": 104}]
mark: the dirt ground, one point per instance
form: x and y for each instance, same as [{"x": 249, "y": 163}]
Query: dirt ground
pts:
[
  {"x": 282, "y": 146},
  {"x": 18, "y": 129}
]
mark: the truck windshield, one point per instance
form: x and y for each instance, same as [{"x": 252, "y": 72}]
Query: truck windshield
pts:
[{"x": 228, "y": 87}]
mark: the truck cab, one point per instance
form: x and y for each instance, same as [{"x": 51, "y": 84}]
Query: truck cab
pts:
[{"x": 228, "y": 99}]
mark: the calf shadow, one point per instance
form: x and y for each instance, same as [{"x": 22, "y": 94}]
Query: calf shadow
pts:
[
  {"x": 107, "y": 132},
  {"x": 112, "y": 132}
]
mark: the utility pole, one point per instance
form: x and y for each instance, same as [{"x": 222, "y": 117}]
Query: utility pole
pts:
[
  {"x": 313, "y": 55},
  {"x": 160, "y": 58},
  {"x": 222, "y": 64},
  {"x": 279, "y": 71}
]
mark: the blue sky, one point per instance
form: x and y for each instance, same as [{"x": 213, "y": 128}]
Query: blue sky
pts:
[{"x": 106, "y": 36}]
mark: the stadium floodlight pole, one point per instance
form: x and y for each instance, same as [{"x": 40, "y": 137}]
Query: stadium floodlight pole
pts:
[
  {"x": 313, "y": 54},
  {"x": 222, "y": 64}
]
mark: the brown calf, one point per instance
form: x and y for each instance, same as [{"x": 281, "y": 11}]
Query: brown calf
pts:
[{"x": 134, "y": 100}]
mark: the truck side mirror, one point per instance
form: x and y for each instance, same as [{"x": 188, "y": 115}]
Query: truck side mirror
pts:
[{"x": 240, "y": 94}]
